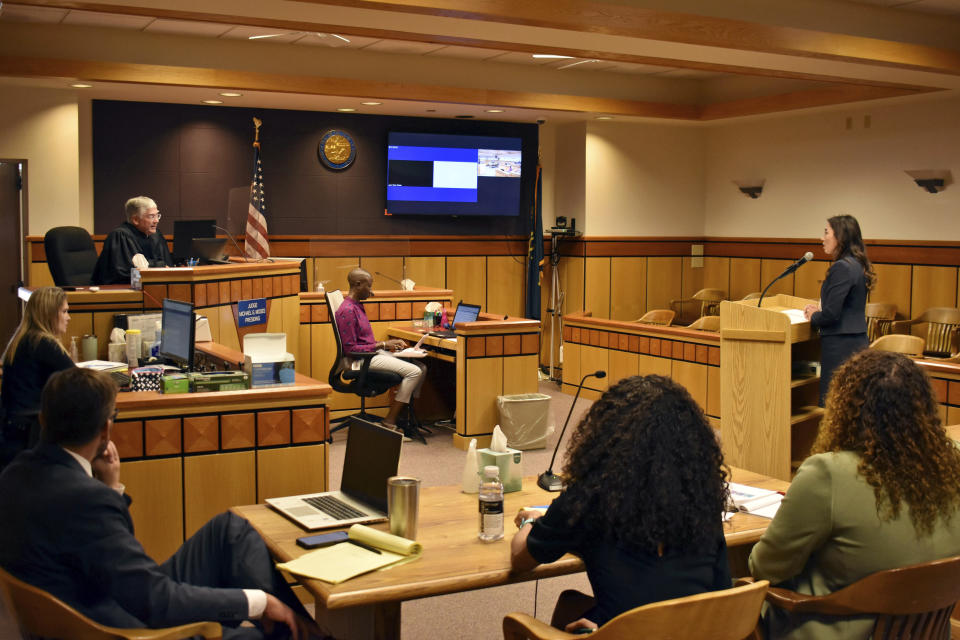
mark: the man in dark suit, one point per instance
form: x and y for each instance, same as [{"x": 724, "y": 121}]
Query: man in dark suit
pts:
[{"x": 67, "y": 529}]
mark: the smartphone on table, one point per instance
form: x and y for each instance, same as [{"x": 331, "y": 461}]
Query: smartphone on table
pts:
[{"x": 322, "y": 539}]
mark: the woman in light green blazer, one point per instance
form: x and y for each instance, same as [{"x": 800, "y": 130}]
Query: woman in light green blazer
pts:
[{"x": 882, "y": 490}]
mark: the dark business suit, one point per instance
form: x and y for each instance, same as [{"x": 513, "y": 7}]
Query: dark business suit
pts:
[
  {"x": 72, "y": 536},
  {"x": 841, "y": 319}
]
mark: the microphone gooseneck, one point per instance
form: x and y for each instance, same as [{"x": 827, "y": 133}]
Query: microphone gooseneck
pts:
[
  {"x": 807, "y": 257},
  {"x": 233, "y": 240},
  {"x": 548, "y": 480}
]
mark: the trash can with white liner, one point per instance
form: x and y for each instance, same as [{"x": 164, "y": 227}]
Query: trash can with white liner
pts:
[{"x": 524, "y": 418}]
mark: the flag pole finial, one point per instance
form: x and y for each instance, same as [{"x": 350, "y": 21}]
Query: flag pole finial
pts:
[{"x": 256, "y": 131}]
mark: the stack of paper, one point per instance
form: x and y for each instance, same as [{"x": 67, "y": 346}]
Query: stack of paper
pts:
[
  {"x": 758, "y": 502},
  {"x": 343, "y": 561}
]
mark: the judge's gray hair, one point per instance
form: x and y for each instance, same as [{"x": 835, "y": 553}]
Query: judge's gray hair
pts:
[{"x": 137, "y": 206}]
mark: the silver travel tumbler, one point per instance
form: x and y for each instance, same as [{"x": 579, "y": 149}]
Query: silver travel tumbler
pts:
[{"x": 403, "y": 503}]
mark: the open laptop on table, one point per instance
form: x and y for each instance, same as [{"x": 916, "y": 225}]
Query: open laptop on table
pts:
[
  {"x": 465, "y": 313},
  {"x": 372, "y": 456}
]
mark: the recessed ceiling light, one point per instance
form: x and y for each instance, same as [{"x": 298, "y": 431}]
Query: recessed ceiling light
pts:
[
  {"x": 231, "y": 94},
  {"x": 80, "y": 85},
  {"x": 213, "y": 102},
  {"x": 603, "y": 118},
  {"x": 550, "y": 56},
  {"x": 494, "y": 110},
  {"x": 346, "y": 109},
  {"x": 371, "y": 104}
]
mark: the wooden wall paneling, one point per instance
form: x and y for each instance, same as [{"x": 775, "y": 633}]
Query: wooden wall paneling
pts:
[
  {"x": 623, "y": 364},
  {"x": 506, "y": 285},
  {"x": 40, "y": 275},
  {"x": 467, "y": 277},
  {"x": 808, "y": 278},
  {"x": 80, "y": 325},
  {"x": 770, "y": 269},
  {"x": 664, "y": 281},
  {"x": 290, "y": 321},
  {"x": 323, "y": 349},
  {"x": 102, "y": 325},
  {"x": 693, "y": 376},
  {"x": 275, "y": 316},
  {"x": 571, "y": 283},
  {"x": 652, "y": 365},
  {"x": 484, "y": 379},
  {"x": 594, "y": 359},
  {"x": 228, "y": 328},
  {"x": 309, "y": 268},
  {"x": 596, "y": 287},
  {"x": 691, "y": 281},
  {"x": 291, "y": 471},
  {"x": 157, "y": 508},
  {"x": 953, "y": 416},
  {"x": 716, "y": 274},
  {"x": 205, "y": 492},
  {"x": 571, "y": 363},
  {"x": 713, "y": 391},
  {"x": 333, "y": 271},
  {"x": 893, "y": 285},
  {"x": 304, "y": 353},
  {"x": 520, "y": 375},
  {"x": 628, "y": 287},
  {"x": 389, "y": 266},
  {"x": 744, "y": 277},
  {"x": 932, "y": 287},
  {"x": 212, "y": 315},
  {"x": 942, "y": 412},
  {"x": 427, "y": 271}
]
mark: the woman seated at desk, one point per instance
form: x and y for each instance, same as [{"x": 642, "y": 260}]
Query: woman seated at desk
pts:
[
  {"x": 646, "y": 490},
  {"x": 33, "y": 354},
  {"x": 882, "y": 490}
]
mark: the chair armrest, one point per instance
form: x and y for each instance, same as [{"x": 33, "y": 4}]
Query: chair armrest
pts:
[
  {"x": 800, "y": 603},
  {"x": 208, "y": 630},
  {"x": 902, "y": 326},
  {"x": 360, "y": 355},
  {"x": 519, "y": 626},
  {"x": 745, "y": 580}
]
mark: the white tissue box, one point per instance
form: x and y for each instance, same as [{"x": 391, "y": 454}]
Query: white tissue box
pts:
[
  {"x": 509, "y": 462},
  {"x": 266, "y": 360}
]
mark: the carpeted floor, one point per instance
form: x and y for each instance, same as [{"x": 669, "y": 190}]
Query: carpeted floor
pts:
[{"x": 476, "y": 615}]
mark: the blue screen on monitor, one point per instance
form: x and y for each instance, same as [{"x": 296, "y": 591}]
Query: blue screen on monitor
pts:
[{"x": 444, "y": 174}]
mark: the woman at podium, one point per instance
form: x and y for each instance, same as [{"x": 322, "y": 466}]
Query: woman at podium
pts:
[{"x": 843, "y": 297}]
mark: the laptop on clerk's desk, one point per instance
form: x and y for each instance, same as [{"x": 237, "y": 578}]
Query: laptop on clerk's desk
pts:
[
  {"x": 372, "y": 456},
  {"x": 465, "y": 313}
]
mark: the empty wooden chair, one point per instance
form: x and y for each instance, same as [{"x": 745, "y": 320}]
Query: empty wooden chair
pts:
[
  {"x": 942, "y": 324},
  {"x": 709, "y": 300},
  {"x": 880, "y": 317},
  {"x": 899, "y": 343},
  {"x": 42, "y": 615},
  {"x": 731, "y": 614},
  {"x": 912, "y": 602},
  {"x": 658, "y": 316},
  {"x": 706, "y": 323}
]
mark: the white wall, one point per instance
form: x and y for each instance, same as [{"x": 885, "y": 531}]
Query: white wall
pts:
[
  {"x": 815, "y": 168},
  {"x": 644, "y": 179},
  {"x": 41, "y": 126}
]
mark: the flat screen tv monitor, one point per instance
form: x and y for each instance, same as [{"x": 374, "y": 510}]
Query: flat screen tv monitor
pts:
[
  {"x": 184, "y": 231},
  {"x": 177, "y": 332},
  {"x": 459, "y": 175}
]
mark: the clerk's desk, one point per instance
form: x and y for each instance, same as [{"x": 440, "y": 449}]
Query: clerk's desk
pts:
[
  {"x": 492, "y": 357},
  {"x": 453, "y": 559},
  {"x": 187, "y": 457}
]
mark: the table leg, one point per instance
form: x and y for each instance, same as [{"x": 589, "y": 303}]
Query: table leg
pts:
[{"x": 376, "y": 622}]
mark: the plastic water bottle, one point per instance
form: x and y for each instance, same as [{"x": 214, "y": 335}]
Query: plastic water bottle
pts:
[
  {"x": 491, "y": 505},
  {"x": 74, "y": 355}
]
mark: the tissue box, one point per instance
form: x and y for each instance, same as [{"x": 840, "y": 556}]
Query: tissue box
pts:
[
  {"x": 509, "y": 462},
  {"x": 266, "y": 360}
]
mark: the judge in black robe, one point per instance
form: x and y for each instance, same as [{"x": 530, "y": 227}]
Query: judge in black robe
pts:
[{"x": 138, "y": 235}]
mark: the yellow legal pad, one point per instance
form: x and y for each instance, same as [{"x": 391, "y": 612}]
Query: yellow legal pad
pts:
[{"x": 343, "y": 561}]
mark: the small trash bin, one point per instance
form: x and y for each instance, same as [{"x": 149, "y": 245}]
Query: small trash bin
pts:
[{"x": 524, "y": 418}]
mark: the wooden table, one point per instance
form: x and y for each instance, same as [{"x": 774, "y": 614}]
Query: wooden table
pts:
[{"x": 453, "y": 560}]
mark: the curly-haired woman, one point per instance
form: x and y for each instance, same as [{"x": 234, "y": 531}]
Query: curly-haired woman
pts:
[
  {"x": 882, "y": 490},
  {"x": 646, "y": 490}
]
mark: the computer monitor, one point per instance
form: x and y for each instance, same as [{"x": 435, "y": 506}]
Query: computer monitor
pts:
[
  {"x": 184, "y": 231},
  {"x": 177, "y": 332}
]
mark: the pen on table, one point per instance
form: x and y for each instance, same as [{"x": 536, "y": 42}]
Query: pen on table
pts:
[{"x": 365, "y": 546}]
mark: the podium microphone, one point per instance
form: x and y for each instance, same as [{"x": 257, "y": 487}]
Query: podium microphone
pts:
[
  {"x": 233, "y": 240},
  {"x": 807, "y": 257},
  {"x": 548, "y": 480}
]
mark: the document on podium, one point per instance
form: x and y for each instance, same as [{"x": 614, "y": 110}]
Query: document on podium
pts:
[{"x": 758, "y": 502}]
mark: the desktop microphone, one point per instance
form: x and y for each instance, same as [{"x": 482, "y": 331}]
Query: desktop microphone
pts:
[
  {"x": 242, "y": 254},
  {"x": 807, "y": 257},
  {"x": 548, "y": 480}
]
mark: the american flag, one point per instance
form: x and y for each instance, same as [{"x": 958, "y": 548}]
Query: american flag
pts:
[{"x": 257, "y": 245}]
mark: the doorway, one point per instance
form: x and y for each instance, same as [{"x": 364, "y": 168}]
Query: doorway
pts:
[{"x": 12, "y": 218}]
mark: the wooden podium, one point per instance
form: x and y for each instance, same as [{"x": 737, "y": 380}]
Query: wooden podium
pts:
[{"x": 769, "y": 416}]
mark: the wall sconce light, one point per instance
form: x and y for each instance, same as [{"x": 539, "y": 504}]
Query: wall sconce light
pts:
[
  {"x": 751, "y": 188},
  {"x": 931, "y": 180}
]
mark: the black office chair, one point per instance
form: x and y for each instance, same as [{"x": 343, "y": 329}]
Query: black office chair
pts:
[
  {"x": 362, "y": 381},
  {"x": 71, "y": 256}
]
